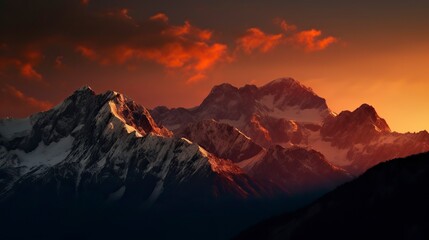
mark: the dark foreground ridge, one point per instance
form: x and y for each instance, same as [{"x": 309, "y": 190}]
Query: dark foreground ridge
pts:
[{"x": 389, "y": 201}]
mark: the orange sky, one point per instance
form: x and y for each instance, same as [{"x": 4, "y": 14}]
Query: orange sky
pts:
[{"x": 173, "y": 54}]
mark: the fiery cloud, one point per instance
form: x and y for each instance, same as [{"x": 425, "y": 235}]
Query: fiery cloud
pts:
[
  {"x": 285, "y": 26},
  {"x": 87, "y": 52},
  {"x": 28, "y": 71},
  {"x": 174, "y": 46},
  {"x": 196, "y": 78},
  {"x": 25, "y": 63},
  {"x": 159, "y": 17},
  {"x": 112, "y": 36},
  {"x": 107, "y": 37},
  {"x": 255, "y": 39},
  {"x": 309, "y": 40}
]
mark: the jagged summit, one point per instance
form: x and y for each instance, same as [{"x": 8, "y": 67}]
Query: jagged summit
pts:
[
  {"x": 360, "y": 126},
  {"x": 84, "y": 105},
  {"x": 366, "y": 109},
  {"x": 367, "y": 113}
]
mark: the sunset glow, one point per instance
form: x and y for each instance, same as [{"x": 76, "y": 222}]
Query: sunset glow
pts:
[{"x": 173, "y": 54}]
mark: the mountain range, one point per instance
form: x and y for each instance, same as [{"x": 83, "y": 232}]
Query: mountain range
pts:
[
  {"x": 235, "y": 158},
  {"x": 286, "y": 113}
]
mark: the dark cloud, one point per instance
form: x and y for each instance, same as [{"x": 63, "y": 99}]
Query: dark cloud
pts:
[
  {"x": 310, "y": 40},
  {"x": 107, "y": 36}
]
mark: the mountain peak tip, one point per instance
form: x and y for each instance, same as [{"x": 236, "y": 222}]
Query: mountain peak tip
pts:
[
  {"x": 224, "y": 87},
  {"x": 366, "y": 108},
  {"x": 85, "y": 88},
  {"x": 283, "y": 80}
]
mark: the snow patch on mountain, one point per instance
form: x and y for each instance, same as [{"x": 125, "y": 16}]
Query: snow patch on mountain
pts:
[
  {"x": 247, "y": 164},
  {"x": 292, "y": 113},
  {"x": 336, "y": 156},
  {"x": 45, "y": 155}
]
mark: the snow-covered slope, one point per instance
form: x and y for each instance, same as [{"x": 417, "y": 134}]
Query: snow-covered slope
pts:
[
  {"x": 221, "y": 139},
  {"x": 108, "y": 148}
]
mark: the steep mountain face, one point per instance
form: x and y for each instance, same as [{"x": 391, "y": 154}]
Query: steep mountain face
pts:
[
  {"x": 360, "y": 126},
  {"x": 284, "y": 112},
  {"x": 106, "y": 148},
  {"x": 389, "y": 201}
]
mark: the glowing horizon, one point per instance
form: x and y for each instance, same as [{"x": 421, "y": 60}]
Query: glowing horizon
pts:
[{"x": 174, "y": 54}]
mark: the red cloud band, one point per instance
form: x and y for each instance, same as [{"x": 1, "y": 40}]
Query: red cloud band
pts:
[
  {"x": 255, "y": 39},
  {"x": 184, "y": 46},
  {"x": 309, "y": 40}
]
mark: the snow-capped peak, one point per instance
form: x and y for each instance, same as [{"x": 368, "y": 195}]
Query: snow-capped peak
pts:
[{"x": 284, "y": 80}]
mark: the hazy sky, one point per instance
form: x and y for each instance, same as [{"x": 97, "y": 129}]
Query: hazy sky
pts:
[{"x": 173, "y": 52}]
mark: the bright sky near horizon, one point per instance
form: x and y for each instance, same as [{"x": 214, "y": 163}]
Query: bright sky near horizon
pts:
[{"x": 159, "y": 53}]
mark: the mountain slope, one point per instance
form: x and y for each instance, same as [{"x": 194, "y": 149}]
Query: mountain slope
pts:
[
  {"x": 295, "y": 170},
  {"x": 389, "y": 201},
  {"x": 100, "y": 146}
]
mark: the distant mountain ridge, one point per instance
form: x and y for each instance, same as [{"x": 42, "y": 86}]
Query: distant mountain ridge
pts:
[{"x": 285, "y": 112}]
